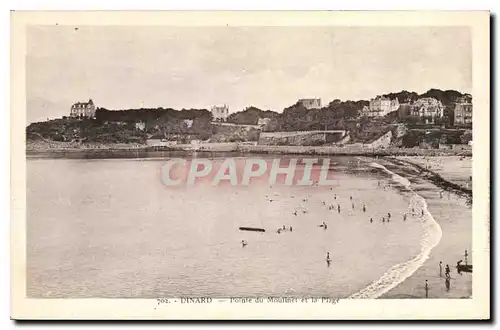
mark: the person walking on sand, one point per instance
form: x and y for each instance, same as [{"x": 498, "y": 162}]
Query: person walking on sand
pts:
[
  {"x": 440, "y": 269},
  {"x": 426, "y": 289}
]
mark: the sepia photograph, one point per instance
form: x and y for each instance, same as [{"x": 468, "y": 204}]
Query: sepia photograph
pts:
[{"x": 235, "y": 165}]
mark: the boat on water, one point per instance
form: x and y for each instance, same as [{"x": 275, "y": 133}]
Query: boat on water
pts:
[
  {"x": 252, "y": 229},
  {"x": 463, "y": 268}
]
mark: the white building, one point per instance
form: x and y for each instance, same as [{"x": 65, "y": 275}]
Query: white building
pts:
[
  {"x": 380, "y": 106},
  {"x": 263, "y": 121},
  {"x": 141, "y": 126},
  {"x": 220, "y": 113},
  {"x": 310, "y": 103},
  {"x": 83, "y": 109},
  {"x": 428, "y": 107}
]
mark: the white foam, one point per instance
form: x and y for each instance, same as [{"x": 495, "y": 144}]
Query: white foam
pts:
[{"x": 431, "y": 236}]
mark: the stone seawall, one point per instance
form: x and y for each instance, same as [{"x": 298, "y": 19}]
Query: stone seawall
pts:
[
  {"x": 301, "y": 138},
  {"x": 346, "y": 150}
]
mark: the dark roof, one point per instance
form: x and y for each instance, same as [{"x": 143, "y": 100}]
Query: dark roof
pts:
[{"x": 90, "y": 102}]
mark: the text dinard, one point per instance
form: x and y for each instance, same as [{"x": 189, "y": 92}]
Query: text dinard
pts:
[{"x": 204, "y": 300}]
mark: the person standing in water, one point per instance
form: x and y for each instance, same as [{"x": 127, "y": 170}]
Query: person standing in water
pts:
[
  {"x": 404, "y": 217},
  {"x": 426, "y": 289},
  {"x": 447, "y": 271},
  {"x": 465, "y": 257},
  {"x": 371, "y": 220},
  {"x": 440, "y": 269},
  {"x": 353, "y": 206},
  {"x": 328, "y": 256},
  {"x": 350, "y": 197},
  {"x": 364, "y": 208},
  {"x": 383, "y": 219},
  {"x": 338, "y": 208}
]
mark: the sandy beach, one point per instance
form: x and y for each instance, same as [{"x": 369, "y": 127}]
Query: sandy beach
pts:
[
  {"x": 454, "y": 216},
  {"x": 456, "y": 169}
]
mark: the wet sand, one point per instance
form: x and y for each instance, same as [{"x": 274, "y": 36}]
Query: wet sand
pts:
[
  {"x": 454, "y": 216},
  {"x": 455, "y": 169}
]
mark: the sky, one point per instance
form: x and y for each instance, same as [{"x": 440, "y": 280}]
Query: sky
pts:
[{"x": 123, "y": 67}]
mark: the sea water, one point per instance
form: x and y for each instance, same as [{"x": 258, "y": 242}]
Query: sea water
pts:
[{"x": 111, "y": 228}]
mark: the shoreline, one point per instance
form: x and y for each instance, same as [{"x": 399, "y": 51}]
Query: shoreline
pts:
[
  {"x": 141, "y": 151},
  {"x": 454, "y": 216}
]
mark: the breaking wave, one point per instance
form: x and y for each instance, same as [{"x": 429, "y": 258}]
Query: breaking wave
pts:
[{"x": 431, "y": 237}]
